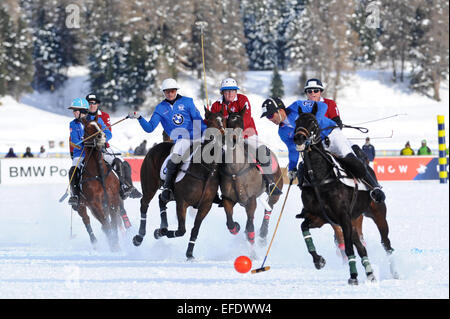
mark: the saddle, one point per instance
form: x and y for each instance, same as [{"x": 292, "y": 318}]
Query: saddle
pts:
[
  {"x": 182, "y": 169},
  {"x": 340, "y": 174}
]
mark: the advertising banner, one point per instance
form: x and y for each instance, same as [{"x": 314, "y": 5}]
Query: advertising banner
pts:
[
  {"x": 406, "y": 168},
  {"x": 55, "y": 170},
  {"x": 34, "y": 170}
]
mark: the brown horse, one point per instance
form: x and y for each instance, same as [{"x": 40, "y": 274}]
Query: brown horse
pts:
[
  {"x": 242, "y": 181},
  {"x": 197, "y": 188},
  {"x": 99, "y": 187}
]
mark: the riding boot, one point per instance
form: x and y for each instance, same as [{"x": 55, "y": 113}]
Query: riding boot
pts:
[
  {"x": 266, "y": 165},
  {"x": 128, "y": 187},
  {"x": 360, "y": 154},
  {"x": 376, "y": 193},
  {"x": 168, "y": 187},
  {"x": 353, "y": 165},
  {"x": 74, "y": 200}
]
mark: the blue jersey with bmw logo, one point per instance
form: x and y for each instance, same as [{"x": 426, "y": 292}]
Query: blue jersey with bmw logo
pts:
[{"x": 178, "y": 120}]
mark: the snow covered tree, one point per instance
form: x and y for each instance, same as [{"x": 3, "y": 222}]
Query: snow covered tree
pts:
[
  {"x": 276, "y": 85},
  {"x": 367, "y": 51},
  {"x": 397, "y": 18},
  {"x": 430, "y": 53},
  {"x": 15, "y": 56}
]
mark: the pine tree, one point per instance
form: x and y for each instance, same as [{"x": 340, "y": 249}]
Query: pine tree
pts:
[
  {"x": 276, "y": 86},
  {"x": 15, "y": 56},
  {"x": 430, "y": 56},
  {"x": 5, "y": 50}
]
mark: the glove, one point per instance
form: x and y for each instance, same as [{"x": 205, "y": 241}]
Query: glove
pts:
[
  {"x": 292, "y": 174},
  {"x": 134, "y": 115}
]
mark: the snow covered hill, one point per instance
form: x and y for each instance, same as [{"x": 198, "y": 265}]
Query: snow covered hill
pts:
[{"x": 368, "y": 95}]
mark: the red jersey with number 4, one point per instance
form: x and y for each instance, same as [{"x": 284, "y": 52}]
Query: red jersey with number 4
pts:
[{"x": 237, "y": 105}]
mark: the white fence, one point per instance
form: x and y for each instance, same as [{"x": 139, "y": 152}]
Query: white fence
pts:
[{"x": 15, "y": 171}]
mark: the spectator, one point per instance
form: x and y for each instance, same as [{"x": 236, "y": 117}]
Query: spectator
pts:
[
  {"x": 424, "y": 150},
  {"x": 10, "y": 153},
  {"x": 407, "y": 150},
  {"x": 369, "y": 150},
  {"x": 28, "y": 152},
  {"x": 141, "y": 149},
  {"x": 42, "y": 153}
]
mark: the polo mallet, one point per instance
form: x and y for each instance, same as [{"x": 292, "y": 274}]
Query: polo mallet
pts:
[
  {"x": 70, "y": 181},
  {"x": 98, "y": 132},
  {"x": 202, "y": 25},
  {"x": 262, "y": 268}
]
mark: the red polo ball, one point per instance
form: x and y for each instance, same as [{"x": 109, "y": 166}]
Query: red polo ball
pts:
[{"x": 242, "y": 264}]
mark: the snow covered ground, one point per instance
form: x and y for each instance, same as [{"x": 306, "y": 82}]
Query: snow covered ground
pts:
[{"x": 38, "y": 259}]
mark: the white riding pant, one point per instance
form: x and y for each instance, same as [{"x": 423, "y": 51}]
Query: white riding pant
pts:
[
  {"x": 109, "y": 156},
  {"x": 180, "y": 148},
  {"x": 339, "y": 144}
]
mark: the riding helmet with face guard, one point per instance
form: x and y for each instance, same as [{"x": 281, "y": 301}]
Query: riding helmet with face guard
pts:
[{"x": 271, "y": 106}]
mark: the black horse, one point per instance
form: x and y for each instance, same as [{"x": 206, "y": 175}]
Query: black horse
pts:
[
  {"x": 327, "y": 200},
  {"x": 197, "y": 188},
  {"x": 242, "y": 180}
]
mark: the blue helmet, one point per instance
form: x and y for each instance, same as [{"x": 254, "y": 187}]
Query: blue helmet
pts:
[{"x": 79, "y": 104}]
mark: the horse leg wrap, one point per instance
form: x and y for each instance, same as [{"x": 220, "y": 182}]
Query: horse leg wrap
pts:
[
  {"x": 267, "y": 215},
  {"x": 175, "y": 233},
  {"x": 365, "y": 262},
  {"x": 164, "y": 223},
  {"x": 143, "y": 225},
  {"x": 352, "y": 265},
  {"x": 251, "y": 237},
  {"x": 308, "y": 240}
]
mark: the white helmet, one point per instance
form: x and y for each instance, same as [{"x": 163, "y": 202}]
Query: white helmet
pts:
[
  {"x": 228, "y": 84},
  {"x": 169, "y": 84}
]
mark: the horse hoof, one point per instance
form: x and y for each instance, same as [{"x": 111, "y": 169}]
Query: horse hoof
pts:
[
  {"x": 93, "y": 240},
  {"x": 320, "y": 263},
  {"x": 353, "y": 282},
  {"x": 371, "y": 278},
  {"x": 262, "y": 241},
  {"x": 236, "y": 229},
  {"x": 190, "y": 258},
  {"x": 157, "y": 233},
  {"x": 137, "y": 240}
]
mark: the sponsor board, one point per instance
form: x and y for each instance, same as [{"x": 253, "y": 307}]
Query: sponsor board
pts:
[
  {"x": 55, "y": 170},
  {"x": 407, "y": 168},
  {"x": 34, "y": 170}
]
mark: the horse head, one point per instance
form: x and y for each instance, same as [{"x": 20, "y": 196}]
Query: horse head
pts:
[
  {"x": 307, "y": 131},
  {"x": 216, "y": 120},
  {"x": 236, "y": 119},
  {"x": 93, "y": 134}
]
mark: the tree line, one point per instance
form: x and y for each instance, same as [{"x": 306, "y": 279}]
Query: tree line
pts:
[{"x": 129, "y": 47}]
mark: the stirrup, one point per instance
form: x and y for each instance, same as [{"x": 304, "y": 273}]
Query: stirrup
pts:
[
  {"x": 74, "y": 202},
  {"x": 272, "y": 189},
  {"x": 134, "y": 193},
  {"x": 377, "y": 195},
  {"x": 124, "y": 191}
]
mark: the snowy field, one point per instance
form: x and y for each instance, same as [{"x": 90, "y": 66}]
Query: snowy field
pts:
[{"x": 39, "y": 259}]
